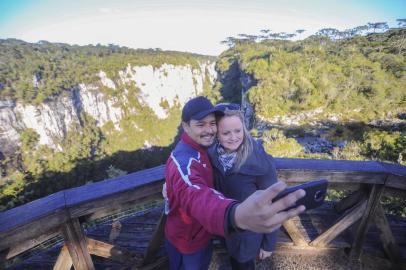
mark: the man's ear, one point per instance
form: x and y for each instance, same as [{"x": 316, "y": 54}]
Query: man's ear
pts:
[{"x": 185, "y": 126}]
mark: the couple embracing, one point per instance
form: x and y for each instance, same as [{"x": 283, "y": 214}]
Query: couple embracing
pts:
[{"x": 221, "y": 186}]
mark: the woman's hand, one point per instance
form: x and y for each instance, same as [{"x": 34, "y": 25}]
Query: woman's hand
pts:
[{"x": 263, "y": 254}]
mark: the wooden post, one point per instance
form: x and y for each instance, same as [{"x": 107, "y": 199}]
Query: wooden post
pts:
[
  {"x": 156, "y": 241},
  {"x": 386, "y": 236},
  {"x": 64, "y": 261},
  {"x": 349, "y": 218},
  {"x": 351, "y": 199},
  {"x": 109, "y": 251},
  {"x": 362, "y": 229},
  {"x": 76, "y": 242},
  {"x": 294, "y": 233}
]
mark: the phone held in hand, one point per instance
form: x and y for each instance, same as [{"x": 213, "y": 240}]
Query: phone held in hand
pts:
[{"x": 315, "y": 194}]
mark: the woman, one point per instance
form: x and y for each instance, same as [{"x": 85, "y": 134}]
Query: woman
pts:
[{"x": 241, "y": 167}]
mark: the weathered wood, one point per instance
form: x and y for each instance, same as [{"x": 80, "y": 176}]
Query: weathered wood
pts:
[
  {"x": 395, "y": 181},
  {"x": 115, "y": 231},
  {"x": 115, "y": 200},
  {"x": 349, "y": 218},
  {"x": 64, "y": 261},
  {"x": 112, "y": 252},
  {"x": 111, "y": 210},
  {"x": 156, "y": 241},
  {"x": 386, "y": 236},
  {"x": 373, "y": 201},
  {"x": 32, "y": 229},
  {"x": 3, "y": 255},
  {"x": 300, "y": 176},
  {"x": 76, "y": 242},
  {"x": 104, "y": 190},
  {"x": 157, "y": 264},
  {"x": 351, "y": 199},
  {"x": 42, "y": 216},
  {"x": 294, "y": 233},
  {"x": 30, "y": 243}
]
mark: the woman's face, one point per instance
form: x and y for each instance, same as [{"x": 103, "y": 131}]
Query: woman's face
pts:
[{"x": 230, "y": 132}]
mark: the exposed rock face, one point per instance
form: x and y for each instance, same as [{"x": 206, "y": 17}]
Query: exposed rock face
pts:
[
  {"x": 246, "y": 83},
  {"x": 52, "y": 120},
  {"x": 235, "y": 87},
  {"x": 168, "y": 82}
]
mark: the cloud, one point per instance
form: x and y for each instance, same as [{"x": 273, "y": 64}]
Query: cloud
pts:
[{"x": 105, "y": 10}]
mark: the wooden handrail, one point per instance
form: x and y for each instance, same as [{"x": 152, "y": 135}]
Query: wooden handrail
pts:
[{"x": 49, "y": 214}]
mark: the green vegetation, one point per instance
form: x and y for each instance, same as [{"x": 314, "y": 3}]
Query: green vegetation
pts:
[
  {"x": 350, "y": 78},
  {"x": 88, "y": 152},
  {"x": 361, "y": 78},
  {"x": 59, "y": 67}
]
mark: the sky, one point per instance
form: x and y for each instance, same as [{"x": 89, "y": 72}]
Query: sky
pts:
[{"x": 182, "y": 25}]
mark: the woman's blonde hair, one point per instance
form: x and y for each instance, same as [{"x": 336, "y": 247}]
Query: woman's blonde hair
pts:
[{"x": 246, "y": 147}]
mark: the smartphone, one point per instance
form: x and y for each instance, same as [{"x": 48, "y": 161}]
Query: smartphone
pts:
[{"x": 316, "y": 191}]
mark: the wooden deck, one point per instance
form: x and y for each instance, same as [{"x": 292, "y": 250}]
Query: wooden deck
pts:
[
  {"x": 134, "y": 233},
  {"x": 356, "y": 224}
]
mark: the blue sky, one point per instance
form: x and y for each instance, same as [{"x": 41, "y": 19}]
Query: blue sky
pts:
[{"x": 193, "y": 26}]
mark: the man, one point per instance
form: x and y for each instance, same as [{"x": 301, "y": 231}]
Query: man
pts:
[{"x": 195, "y": 210}]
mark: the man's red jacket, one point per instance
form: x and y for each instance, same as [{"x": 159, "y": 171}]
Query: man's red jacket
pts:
[{"x": 196, "y": 210}]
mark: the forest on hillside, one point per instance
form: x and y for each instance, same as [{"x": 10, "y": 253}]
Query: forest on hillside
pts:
[
  {"x": 58, "y": 67},
  {"x": 357, "y": 85},
  {"x": 36, "y": 73},
  {"x": 346, "y": 90}
]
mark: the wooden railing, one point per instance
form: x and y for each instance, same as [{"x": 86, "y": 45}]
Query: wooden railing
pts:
[{"x": 63, "y": 213}]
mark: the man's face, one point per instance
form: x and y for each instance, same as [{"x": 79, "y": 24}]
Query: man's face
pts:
[{"x": 202, "y": 131}]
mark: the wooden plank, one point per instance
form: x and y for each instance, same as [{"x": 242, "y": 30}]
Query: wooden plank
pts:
[
  {"x": 31, "y": 211},
  {"x": 161, "y": 263},
  {"x": 386, "y": 236},
  {"x": 111, "y": 210},
  {"x": 76, "y": 242},
  {"x": 3, "y": 255},
  {"x": 351, "y": 200},
  {"x": 33, "y": 229},
  {"x": 300, "y": 176},
  {"x": 156, "y": 241},
  {"x": 394, "y": 192},
  {"x": 395, "y": 181},
  {"x": 294, "y": 233},
  {"x": 115, "y": 230},
  {"x": 64, "y": 261},
  {"x": 373, "y": 201},
  {"x": 286, "y": 249},
  {"x": 349, "y": 218},
  {"x": 108, "y": 188},
  {"x": 115, "y": 200},
  {"x": 30, "y": 243},
  {"x": 109, "y": 251},
  {"x": 329, "y": 165}
]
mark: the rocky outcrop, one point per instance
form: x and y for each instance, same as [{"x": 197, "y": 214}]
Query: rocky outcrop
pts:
[{"x": 53, "y": 119}]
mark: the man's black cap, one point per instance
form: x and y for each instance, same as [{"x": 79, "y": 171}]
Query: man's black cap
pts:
[{"x": 197, "y": 108}]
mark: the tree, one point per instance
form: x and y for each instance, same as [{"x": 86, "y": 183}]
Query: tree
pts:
[
  {"x": 331, "y": 33},
  {"x": 401, "y": 23},
  {"x": 378, "y": 26}
]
